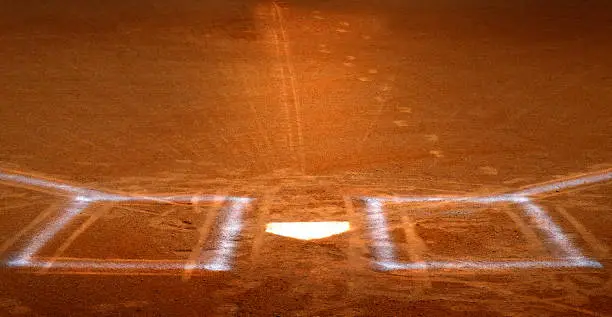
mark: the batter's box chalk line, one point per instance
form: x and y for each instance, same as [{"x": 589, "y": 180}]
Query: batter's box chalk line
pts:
[
  {"x": 82, "y": 198},
  {"x": 223, "y": 254},
  {"x": 384, "y": 250}
]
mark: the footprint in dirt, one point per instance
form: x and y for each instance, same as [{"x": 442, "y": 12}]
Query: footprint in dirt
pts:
[{"x": 182, "y": 225}]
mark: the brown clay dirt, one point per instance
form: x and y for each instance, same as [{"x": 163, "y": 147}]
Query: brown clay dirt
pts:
[{"x": 305, "y": 106}]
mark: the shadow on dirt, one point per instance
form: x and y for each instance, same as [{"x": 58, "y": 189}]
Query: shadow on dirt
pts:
[{"x": 233, "y": 17}]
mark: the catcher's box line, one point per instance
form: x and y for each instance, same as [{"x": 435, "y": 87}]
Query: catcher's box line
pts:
[
  {"x": 384, "y": 249},
  {"x": 84, "y": 198}
]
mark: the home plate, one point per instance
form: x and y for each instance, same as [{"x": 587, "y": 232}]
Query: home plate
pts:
[{"x": 308, "y": 230}]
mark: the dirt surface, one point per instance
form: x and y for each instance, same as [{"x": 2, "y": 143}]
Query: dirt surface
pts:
[{"x": 306, "y": 108}]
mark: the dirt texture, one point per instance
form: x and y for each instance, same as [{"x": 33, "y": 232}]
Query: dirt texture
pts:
[{"x": 308, "y": 108}]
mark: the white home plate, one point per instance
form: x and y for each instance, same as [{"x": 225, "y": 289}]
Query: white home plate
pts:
[{"x": 308, "y": 230}]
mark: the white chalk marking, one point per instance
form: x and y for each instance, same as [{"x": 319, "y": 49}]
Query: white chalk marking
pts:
[
  {"x": 415, "y": 247},
  {"x": 470, "y": 199},
  {"x": 357, "y": 247},
  {"x": 89, "y": 195},
  {"x": 8, "y": 243},
  {"x": 110, "y": 264},
  {"x": 37, "y": 242},
  {"x": 383, "y": 248},
  {"x": 566, "y": 184},
  {"x": 35, "y": 182},
  {"x": 230, "y": 231},
  {"x": 527, "y": 231},
  {"x": 543, "y": 221},
  {"x": 83, "y": 198},
  {"x": 384, "y": 252},
  {"x": 68, "y": 242},
  {"x": 203, "y": 233},
  {"x": 487, "y": 265},
  {"x": 597, "y": 245}
]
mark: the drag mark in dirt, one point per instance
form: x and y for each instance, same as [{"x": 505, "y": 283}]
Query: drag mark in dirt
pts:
[
  {"x": 82, "y": 199},
  {"x": 290, "y": 96},
  {"x": 384, "y": 249},
  {"x": 532, "y": 237}
]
